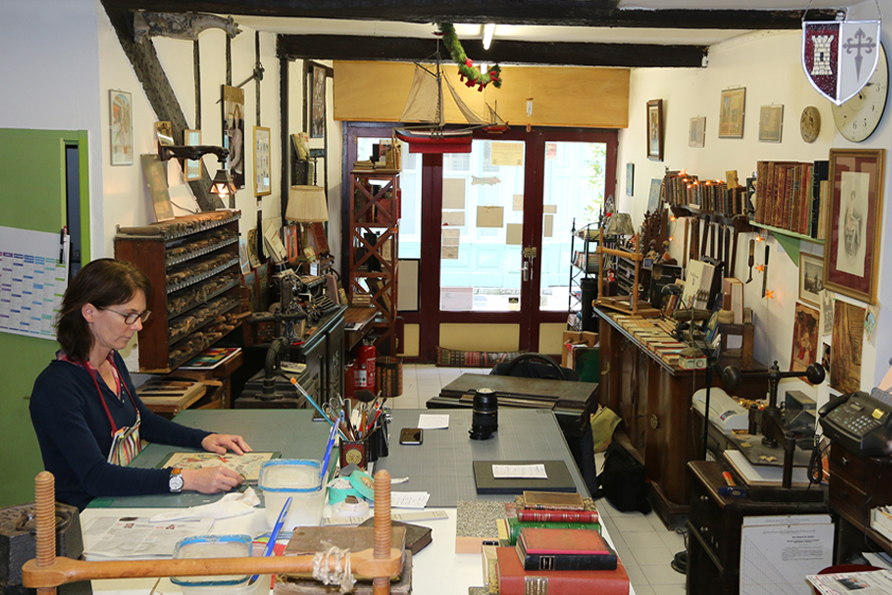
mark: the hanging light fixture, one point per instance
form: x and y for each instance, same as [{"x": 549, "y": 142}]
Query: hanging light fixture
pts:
[
  {"x": 223, "y": 186},
  {"x": 488, "y": 30}
]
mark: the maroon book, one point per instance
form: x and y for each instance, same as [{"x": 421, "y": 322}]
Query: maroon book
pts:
[
  {"x": 558, "y": 516},
  {"x": 513, "y": 579}
]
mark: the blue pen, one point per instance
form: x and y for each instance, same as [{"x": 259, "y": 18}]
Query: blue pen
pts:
[
  {"x": 271, "y": 544},
  {"x": 331, "y": 441}
]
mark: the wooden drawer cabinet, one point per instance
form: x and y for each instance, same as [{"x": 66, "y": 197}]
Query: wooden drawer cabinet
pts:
[{"x": 193, "y": 264}]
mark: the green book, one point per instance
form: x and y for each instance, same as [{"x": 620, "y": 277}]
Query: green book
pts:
[{"x": 515, "y": 525}]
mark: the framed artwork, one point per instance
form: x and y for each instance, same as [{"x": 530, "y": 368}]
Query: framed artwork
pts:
[
  {"x": 164, "y": 133},
  {"x": 655, "y": 129},
  {"x": 811, "y": 278},
  {"x": 120, "y": 107},
  {"x": 317, "y": 104},
  {"x": 697, "y": 132},
  {"x": 806, "y": 337},
  {"x": 653, "y": 198},
  {"x": 845, "y": 347},
  {"x": 732, "y": 112},
  {"x": 771, "y": 123},
  {"x": 262, "y": 168},
  {"x": 192, "y": 167},
  {"x": 852, "y": 252},
  {"x": 234, "y": 132},
  {"x": 630, "y": 179}
]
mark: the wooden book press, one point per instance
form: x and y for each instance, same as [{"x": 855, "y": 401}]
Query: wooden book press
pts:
[{"x": 47, "y": 571}]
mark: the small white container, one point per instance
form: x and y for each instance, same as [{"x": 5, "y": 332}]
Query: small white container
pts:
[
  {"x": 218, "y": 546},
  {"x": 302, "y": 480}
]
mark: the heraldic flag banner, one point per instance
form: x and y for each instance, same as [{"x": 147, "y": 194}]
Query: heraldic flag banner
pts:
[{"x": 840, "y": 56}]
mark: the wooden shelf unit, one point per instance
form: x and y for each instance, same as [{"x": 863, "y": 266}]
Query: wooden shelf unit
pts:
[
  {"x": 193, "y": 264},
  {"x": 374, "y": 261}
]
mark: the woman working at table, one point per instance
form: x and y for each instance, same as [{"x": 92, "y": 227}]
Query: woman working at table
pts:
[{"x": 87, "y": 416}]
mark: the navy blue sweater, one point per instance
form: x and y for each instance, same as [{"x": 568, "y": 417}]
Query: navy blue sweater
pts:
[{"x": 75, "y": 435}]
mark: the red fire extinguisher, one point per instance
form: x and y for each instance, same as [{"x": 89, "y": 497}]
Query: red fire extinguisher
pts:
[{"x": 364, "y": 368}]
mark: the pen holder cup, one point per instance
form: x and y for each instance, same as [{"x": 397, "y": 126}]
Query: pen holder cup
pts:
[
  {"x": 377, "y": 440},
  {"x": 302, "y": 480},
  {"x": 355, "y": 452}
]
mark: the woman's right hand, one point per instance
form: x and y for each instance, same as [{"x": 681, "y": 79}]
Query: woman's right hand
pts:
[{"x": 210, "y": 480}]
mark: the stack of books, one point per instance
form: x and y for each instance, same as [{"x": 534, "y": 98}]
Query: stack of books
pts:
[{"x": 557, "y": 546}]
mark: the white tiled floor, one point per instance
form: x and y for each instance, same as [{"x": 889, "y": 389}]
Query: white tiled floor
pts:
[{"x": 644, "y": 545}]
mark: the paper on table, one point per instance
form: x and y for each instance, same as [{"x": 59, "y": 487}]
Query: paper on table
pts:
[
  {"x": 121, "y": 537},
  {"x": 409, "y": 499},
  {"x": 429, "y": 421},
  {"x": 509, "y": 471}
]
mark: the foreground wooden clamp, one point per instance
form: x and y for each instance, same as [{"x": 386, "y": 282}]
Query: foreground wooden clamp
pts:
[{"x": 47, "y": 571}]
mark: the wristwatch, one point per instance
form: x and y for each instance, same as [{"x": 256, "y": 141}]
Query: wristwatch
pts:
[{"x": 176, "y": 480}]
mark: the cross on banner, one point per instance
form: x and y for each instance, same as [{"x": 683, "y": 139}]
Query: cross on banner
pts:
[{"x": 839, "y": 57}]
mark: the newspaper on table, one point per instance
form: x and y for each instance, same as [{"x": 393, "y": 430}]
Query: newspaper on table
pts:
[
  {"x": 871, "y": 582},
  {"x": 136, "y": 538}
]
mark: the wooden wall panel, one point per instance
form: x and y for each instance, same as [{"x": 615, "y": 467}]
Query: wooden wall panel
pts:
[{"x": 562, "y": 96}]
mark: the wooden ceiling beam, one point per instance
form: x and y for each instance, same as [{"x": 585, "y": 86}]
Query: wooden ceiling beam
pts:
[
  {"x": 344, "y": 47},
  {"x": 578, "y": 13}
]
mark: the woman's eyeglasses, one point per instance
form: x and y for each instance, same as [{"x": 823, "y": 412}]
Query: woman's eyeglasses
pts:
[{"x": 133, "y": 316}]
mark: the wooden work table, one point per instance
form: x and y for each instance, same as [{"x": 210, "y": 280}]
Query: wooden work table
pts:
[{"x": 653, "y": 398}]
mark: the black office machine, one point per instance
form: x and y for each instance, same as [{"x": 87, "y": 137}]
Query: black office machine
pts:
[{"x": 860, "y": 423}]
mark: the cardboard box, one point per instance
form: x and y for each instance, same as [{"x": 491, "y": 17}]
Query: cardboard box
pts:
[{"x": 571, "y": 338}]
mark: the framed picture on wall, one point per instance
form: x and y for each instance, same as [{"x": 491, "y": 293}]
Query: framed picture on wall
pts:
[
  {"x": 120, "y": 107},
  {"x": 852, "y": 252},
  {"x": 771, "y": 123},
  {"x": 805, "y": 337},
  {"x": 655, "y": 129},
  {"x": 697, "y": 133},
  {"x": 630, "y": 179},
  {"x": 262, "y": 168},
  {"x": 192, "y": 167},
  {"x": 811, "y": 278},
  {"x": 732, "y": 112},
  {"x": 234, "y": 132},
  {"x": 317, "y": 102}
]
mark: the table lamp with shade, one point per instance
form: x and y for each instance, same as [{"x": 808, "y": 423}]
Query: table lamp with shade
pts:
[{"x": 307, "y": 204}]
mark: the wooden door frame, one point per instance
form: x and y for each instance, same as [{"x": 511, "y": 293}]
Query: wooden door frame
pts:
[{"x": 429, "y": 317}]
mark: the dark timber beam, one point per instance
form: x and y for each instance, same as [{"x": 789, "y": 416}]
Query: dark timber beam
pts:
[
  {"x": 159, "y": 92},
  {"x": 344, "y": 47},
  {"x": 578, "y": 13}
]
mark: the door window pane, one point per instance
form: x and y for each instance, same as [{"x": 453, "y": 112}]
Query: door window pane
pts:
[
  {"x": 479, "y": 270},
  {"x": 573, "y": 187}
]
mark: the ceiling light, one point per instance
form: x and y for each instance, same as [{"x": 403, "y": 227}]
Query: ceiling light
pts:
[{"x": 488, "y": 30}]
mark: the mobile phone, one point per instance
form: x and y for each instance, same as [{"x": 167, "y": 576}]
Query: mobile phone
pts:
[{"x": 411, "y": 436}]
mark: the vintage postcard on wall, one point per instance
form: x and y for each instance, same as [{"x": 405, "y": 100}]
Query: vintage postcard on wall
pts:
[{"x": 247, "y": 465}]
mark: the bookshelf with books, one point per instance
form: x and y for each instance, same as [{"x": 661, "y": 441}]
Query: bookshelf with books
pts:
[
  {"x": 712, "y": 200},
  {"x": 374, "y": 250},
  {"x": 791, "y": 198}
]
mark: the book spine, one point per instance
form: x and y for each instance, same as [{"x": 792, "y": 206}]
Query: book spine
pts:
[
  {"x": 557, "y": 516},
  {"x": 557, "y": 584},
  {"x": 565, "y": 561},
  {"x": 515, "y": 525}
]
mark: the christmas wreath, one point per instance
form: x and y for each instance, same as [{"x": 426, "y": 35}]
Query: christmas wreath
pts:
[{"x": 470, "y": 75}]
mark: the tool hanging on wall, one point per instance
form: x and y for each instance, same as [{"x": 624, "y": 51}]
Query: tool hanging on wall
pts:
[{"x": 752, "y": 259}]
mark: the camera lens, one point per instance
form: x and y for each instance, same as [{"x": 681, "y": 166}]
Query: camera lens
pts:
[{"x": 485, "y": 419}]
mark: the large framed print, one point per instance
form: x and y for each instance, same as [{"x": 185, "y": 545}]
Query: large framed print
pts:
[
  {"x": 655, "y": 129},
  {"x": 852, "y": 252},
  {"x": 262, "y": 167},
  {"x": 731, "y": 114}
]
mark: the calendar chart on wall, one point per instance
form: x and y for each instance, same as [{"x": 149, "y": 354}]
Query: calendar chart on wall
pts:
[{"x": 33, "y": 279}]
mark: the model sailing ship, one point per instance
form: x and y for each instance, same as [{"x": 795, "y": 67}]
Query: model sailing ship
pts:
[{"x": 425, "y": 105}]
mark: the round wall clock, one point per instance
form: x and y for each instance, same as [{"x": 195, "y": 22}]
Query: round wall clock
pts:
[
  {"x": 810, "y": 124},
  {"x": 857, "y": 118}
]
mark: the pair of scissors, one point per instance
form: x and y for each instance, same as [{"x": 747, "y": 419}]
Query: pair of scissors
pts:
[{"x": 334, "y": 406}]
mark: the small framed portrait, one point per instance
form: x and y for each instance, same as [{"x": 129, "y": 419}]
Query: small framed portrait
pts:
[
  {"x": 317, "y": 102},
  {"x": 732, "y": 112},
  {"x": 697, "y": 133},
  {"x": 771, "y": 123},
  {"x": 811, "y": 278},
  {"x": 854, "y": 224},
  {"x": 806, "y": 336},
  {"x": 655, "y": 129},
  {"x": 120, "y": 107}
]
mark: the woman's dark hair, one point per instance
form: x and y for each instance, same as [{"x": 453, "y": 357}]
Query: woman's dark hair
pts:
[{"x": 103, "y": 282}]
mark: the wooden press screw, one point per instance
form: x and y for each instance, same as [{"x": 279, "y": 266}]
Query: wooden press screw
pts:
[
  {"x": 383, "y": 529},
  {"x": 45, "y": 497}
]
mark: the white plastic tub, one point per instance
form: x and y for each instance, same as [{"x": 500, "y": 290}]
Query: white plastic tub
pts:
[
  {"x": 302, "y": 480},
  {"x": 219, "y": 546}
]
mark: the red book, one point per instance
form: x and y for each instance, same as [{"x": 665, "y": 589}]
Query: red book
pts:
[
  {"x": 514, "y": 580},
  {"x": 538, "y": 540},
  {"x": 558, "y": 516}
]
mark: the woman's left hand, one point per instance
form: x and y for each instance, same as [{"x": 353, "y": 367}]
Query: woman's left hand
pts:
[{"x": 220, "y": 443}]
